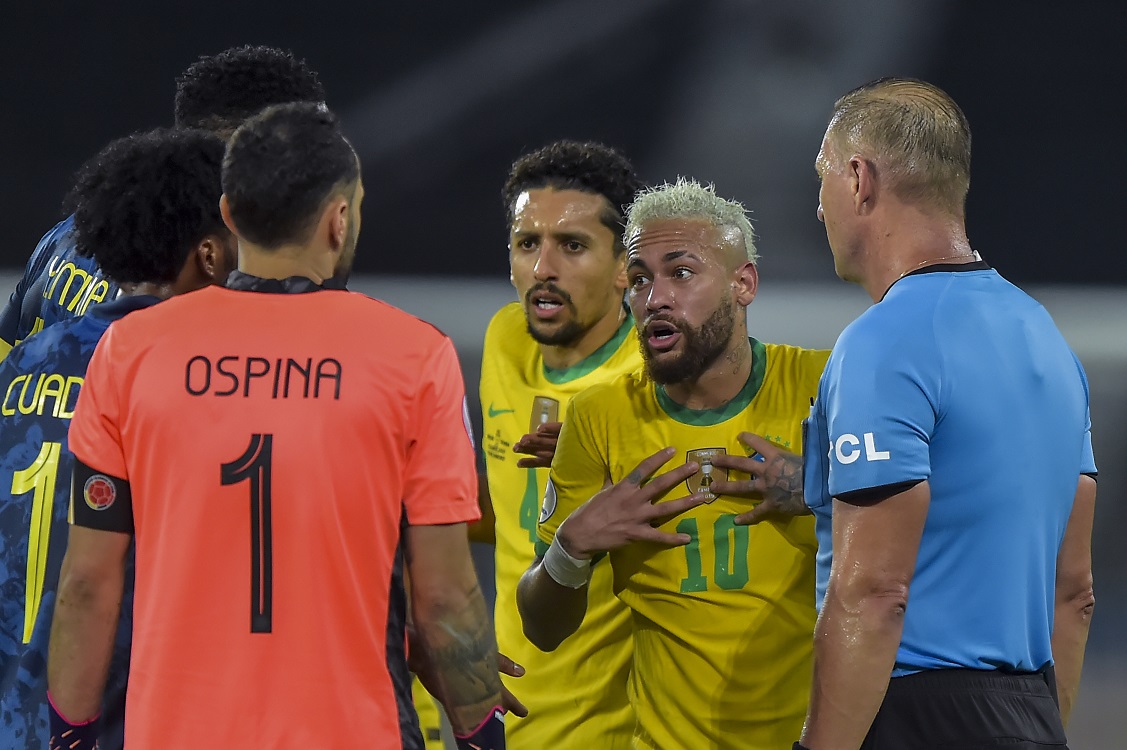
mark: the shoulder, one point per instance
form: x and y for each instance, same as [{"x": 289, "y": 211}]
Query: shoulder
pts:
[
  {"x": 508, "y": 330},
  {"x": 794, "y": 370},
  {"x": 61, "y": 232},
  {"x": 377, "y": 312},
  {"x": 52, "y": 345},
  {"x": 614, "y": 395},
  {"x": 796, "y": 358},
  {"x": 49, "y": 246},
  {"x": 898, "y": 326}
]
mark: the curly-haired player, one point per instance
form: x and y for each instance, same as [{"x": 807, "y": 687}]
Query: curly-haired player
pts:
[
  {"x": 148, "y": 215},
  {"x": 216, "y": 92},
  {"x": 567, "y": 331}
]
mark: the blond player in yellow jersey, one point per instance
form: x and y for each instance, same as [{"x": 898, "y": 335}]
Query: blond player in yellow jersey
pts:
[
  {"x": 568, "y": 331},
  {"x": 718, "y": 575}
]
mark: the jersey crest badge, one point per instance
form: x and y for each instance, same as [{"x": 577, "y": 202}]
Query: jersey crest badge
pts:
[
  {"x": 703, "y": 479},
  {"x": 99, "y": 492},
  {"x": 544, "y": 410}
]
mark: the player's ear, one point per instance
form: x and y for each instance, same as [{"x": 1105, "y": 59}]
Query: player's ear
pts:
[
  {"x": 620, "y": 280},
  {"x": 213, "y": 258},
  {"x": 337, "y": 218},
  {"x": 746, "y": 283}
]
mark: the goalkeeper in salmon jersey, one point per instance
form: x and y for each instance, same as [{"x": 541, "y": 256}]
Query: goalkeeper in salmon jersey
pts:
[{"x": 720, "y": 587}]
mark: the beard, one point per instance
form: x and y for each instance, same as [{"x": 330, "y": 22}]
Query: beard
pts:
[
  {"x": 701, "y": 346},
  {"x": 565, "y": 334}
]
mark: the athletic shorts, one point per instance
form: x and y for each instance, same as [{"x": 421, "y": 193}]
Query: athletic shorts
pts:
[{"x": 968, "y": 709}]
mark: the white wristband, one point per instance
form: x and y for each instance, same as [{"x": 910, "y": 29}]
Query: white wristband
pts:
[{"x": 565, "y": 569}]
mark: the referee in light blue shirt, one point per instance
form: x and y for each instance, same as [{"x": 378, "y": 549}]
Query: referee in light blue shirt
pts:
[{"x": 948, "y": 460}]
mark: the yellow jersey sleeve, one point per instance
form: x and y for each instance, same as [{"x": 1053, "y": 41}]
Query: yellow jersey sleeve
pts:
[{"x": 579, "y": 468}]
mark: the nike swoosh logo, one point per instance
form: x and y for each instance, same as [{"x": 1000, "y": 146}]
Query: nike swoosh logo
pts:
[{"x": 498, "y": 412}]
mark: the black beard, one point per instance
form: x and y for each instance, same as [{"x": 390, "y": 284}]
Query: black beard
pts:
[
  {"x": 702, "y": 347},
  {"x": 568, "y": 333}
]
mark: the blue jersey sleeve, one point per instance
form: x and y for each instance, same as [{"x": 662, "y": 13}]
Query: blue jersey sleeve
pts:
[
  {"x": 881, "y": 392},
  {"x": 1087, "y": 457}
]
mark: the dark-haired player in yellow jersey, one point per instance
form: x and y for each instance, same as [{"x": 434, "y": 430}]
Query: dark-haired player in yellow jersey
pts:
[
  {"x": 722, "y": 611},
  {"x": 569, "y": 330}
]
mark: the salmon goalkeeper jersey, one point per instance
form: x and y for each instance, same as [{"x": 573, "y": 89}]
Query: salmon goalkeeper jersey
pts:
[
  {"x": 722, "y": 627},
  {"x": 272, "y": 459},
  {"x": 576, "y": 695}
]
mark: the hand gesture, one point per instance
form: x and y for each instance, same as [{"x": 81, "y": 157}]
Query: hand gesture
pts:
[
  {"x": 541, "y": 445},
  {"x": 625, "y": 512},
  {"x": 776, "y": 475},
  {"x": 510, "y": 702}
]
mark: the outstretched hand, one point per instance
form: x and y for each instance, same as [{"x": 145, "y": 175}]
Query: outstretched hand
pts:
[
  {"x": 626, "y": 512},
  {"x": 541, "y": 445},
  {"x": 776, "y": 476}
]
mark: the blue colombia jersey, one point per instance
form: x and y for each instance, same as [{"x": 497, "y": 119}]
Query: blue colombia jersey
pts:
[
  {"x": 959, "y": 378},
  {"x": 39, "y": 383},
  {"x": 57, "y": 284}
]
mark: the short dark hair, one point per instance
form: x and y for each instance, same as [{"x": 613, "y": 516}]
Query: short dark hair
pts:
[
  {"x": 280, "y": 169},
  {"x": 218, "y": 92},
  {"x": 145, "y": 201},
  {"x": 571, "y": 165}
]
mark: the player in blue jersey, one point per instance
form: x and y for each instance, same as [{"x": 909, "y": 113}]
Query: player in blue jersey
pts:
[
  {"x": 215, "y": 93},
  {"x": 147, "y": 212},
  {"x": 949, "y": 460}
]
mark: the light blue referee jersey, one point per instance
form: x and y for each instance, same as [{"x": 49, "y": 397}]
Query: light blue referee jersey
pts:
[{"x": 960, "y": 378}]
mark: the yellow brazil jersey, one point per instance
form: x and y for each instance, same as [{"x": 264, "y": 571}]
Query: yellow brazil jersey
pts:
[
  {"x": 576, "y": 695},
  {"x": 723, "y": 627}
]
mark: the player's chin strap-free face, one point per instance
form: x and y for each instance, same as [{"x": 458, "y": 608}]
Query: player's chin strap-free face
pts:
[{"x": 489, "y": 735}]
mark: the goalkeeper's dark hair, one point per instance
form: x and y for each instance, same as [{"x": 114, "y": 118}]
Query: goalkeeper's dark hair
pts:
[
  {"x": 218, "y": 92},
  {"x": 281, "y": 168},
  {"x": 571, "y": 165},
  {"x": 144, "y": 202}
]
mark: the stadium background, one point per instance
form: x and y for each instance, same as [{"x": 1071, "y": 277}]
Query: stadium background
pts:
[{"x": 439, "y": 97}]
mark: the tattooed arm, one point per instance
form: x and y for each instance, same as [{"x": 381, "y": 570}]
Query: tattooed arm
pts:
[
  {"x": 776, "y": 475},
  {"x": 454, "y": 648}
]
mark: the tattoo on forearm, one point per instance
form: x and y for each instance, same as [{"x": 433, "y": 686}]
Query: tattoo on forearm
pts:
[{"x": 461, "y": 658}]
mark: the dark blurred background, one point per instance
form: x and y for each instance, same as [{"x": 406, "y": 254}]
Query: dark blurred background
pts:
[{"x": 439, "y": 97}]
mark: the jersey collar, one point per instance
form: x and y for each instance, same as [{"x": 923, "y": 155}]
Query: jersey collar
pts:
[
  {"x": 592, "y": 361},
  {"x": 709, "y": 417},
  {"x": 244, "y": 282},
  {"x": 975, "y": 265},
  {"x": 122, "y": 306}
]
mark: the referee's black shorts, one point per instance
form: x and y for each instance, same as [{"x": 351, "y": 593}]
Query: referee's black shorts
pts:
[{"x": 968, "y": 709}]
